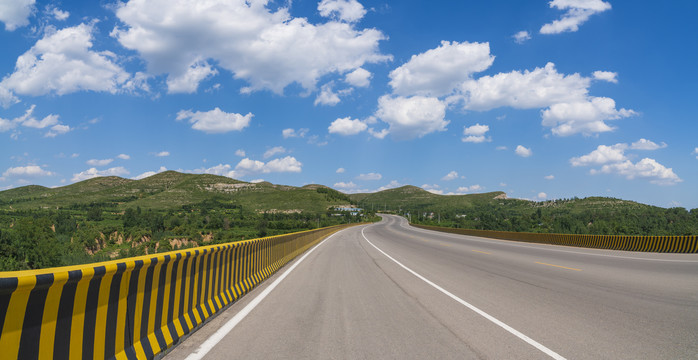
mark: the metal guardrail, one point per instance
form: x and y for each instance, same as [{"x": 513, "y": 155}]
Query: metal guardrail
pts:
[
  {"x": 666, "y": 244},
  {"x": 138, "y": 307}
]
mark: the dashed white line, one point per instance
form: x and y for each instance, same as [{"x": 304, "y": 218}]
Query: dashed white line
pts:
[
  {"x": 487, "y": 316},
  {"x": 207, "y": 345}
]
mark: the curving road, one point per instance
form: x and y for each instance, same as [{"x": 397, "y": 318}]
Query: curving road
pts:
[{"x": 389, "y": 290}]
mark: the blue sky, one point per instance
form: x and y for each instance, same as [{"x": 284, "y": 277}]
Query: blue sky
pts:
[{"x": 540, "y": 99}]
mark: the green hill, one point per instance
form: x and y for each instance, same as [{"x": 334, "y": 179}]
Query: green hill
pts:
[
  {"x": 171, "y": 190},
  {"x": 412, "y": 197}
]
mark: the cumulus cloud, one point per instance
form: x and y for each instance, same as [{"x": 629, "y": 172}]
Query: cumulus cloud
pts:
[
  {"x": 293, "y": 133},
  {"x": 269, "y": 49},
  {"x": 149, "y": 173},
  {"x": 450, "y": 176},
  {"x": 576, "y": 13},
  {"x": 215, "y": 121},
  {"x": 609, "y": 76},
  {"x": 340, "y": 171},
  {"x": 538, "y": 88},
  {"x": 345, "y": 185},
  {"x": 359, "y": 78},
  {"x": 327, "y": 96},
  {"x": 93, "y": 173},
  {"x": 163, "y": 154},
  {"x": 586, "y": 117},
  {"x": 247, "y": 167},
  {"x": 412, "y": 117},
  {"x": 644, "y": 144},
  {"x": 15, "y": 13},
  {"x": 521, "y": 37},
  {"x": 273, "y": 151},
  {"x": 476, "y": 133},
  {"x": 542, "y": 196},
  {"x": 369, "y": 176},
  {"x": 188, "y": 81},
  {"x": 62, "y": 62},
  {"x": 391, "y": 185},
  {"x": 472, "y": 188},
  {"x": 59, "y": 14},
  {"x": 646, "y": 168},
  {"x": 614, "y": 161},
  {"x": 347, "y": 126},
  {"x": 28, "y": 120},
  {"x": 30, "y": 171},
  {"x": 240, "y": 153},
  {"x": 345, "y": 10},
  {"x": 438, "y": 71},
  {"x": 97, "y": 162},
  {"x": 602, "y": 155},
  {"x": 523, "y": 151},
  {"x": 123, "y": 157}
]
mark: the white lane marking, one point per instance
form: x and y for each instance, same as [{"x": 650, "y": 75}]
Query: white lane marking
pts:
[
  {"x": 207, "y": 345},
  {"x": 487, "y": 316},
  {"x": 542, "y": 246}
]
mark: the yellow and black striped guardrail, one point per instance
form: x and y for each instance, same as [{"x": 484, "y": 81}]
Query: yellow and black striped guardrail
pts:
[
  {"x": 138, "y": 307},
  {"x": 667, "y": 244}
]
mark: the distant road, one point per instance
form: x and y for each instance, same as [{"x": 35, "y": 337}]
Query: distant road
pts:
[{"x": 392, "y": 291}]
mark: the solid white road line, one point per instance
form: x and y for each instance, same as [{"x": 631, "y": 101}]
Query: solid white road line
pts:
[
  {"x": 205, "y": 347},
  {"x": 487, "y": 316}
]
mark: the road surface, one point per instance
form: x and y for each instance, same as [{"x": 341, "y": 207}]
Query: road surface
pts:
[{"x": 391, "y": 291}]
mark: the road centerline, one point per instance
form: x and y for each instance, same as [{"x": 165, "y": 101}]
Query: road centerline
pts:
[
  {"x": 487, "y": 316},
  {"x": 481, "y": 252},
  {"x": 558, "y": 266}
]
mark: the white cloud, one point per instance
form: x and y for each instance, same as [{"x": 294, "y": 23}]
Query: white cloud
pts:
[
  {"x": 695, "y": 152},
  {"x": 63, "y": 63},
  {"x": 188, "y": 82},
  {"x": 542, "y": 195},
  {"x": 286, "y": 164},
  {"x": 521, "y": 37},
  {"x": 434, "y": 189},
  {"x": 240, "y": 153},
  {"x": 646, "y": 168},
  {"x": 614, "y": 161},
  {"x": 609, "y": 76},
  {"x": 30, "y": 171},
  {"x": 15, "y": 13},
  {"x": 59, "y": 14},
  {"x": 412, "y": 117},
  {"x": 347, "y": 126},
  {"x": 149, "y": 173},
  {"x": 28, "y": 120},
  {"x": 369, "y": 176},
  {"x": 359, "y": 78},
  {"x": 602, "y": 155},
  {"x": 93, "y": 173},
  {"x": 123, "y": 157},
  {"x": 49, "y": 120},
  {"x": 215, "y": 121},
  {"x": 476, "y": 133},
  {"x": 58, "y": 129},
  {"x": 523, "y": 151},
  {"x": 644, "y": 144},
  {"x": 538, "y": 88},
  {"x": 273, "y": 151},
  {"x": 391, "y": 185},
  {"x": 327, "y": 96},
  {"x": 345, "y": 186},
  {"x": 465, "y": 189},
  {"x": 438, "y": 71},
  {"x": 256, "y": 181},
  {"x": 7, "y": 125},
  {"x": 269, "y": 49},
  {"x": 345, "y": 10},
  {"x": 247, "y": 167},
  {"x": 163, "y": 154},
  {"x": 450, "y": 176},
  {"x": 340, "y": 171},
  {"x": 586, "y": 117},
  {"x": 293, "y": 133},
  {"x": 577, "y": 12},
  {"x": 549, "y": 177},
  {"x": 96, "y": 162}
]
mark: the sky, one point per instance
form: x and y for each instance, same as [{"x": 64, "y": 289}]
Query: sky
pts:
[{"x": 540, "y": 99}]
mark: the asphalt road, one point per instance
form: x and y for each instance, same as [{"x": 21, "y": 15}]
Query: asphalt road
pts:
[{"x": 461, "y": 297}]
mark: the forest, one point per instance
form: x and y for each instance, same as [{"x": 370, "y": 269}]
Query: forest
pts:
[{"x": 85, "y": 233}]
